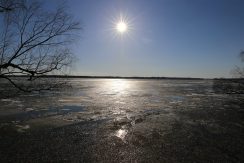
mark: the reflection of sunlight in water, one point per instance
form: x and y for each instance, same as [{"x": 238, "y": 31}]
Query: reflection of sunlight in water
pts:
[
  {"x": 121, "y": 133},
  {"x": 22, "y": 128},
  {"x": 117, "y": 85}
]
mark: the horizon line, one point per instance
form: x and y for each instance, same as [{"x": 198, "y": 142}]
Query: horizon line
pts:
[{"x": 120, "y": 77}]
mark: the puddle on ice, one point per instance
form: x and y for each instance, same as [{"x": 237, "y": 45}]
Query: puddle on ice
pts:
[
  {"x": 65, "y": 100},
  {"x": 65, "y": 109},
  {"x": 29, "y": 109},
  {"x": 32, "y": 113},
  {"x": 56, "y": 111},
  {"x": 121, "y": 133},
  {"x": 175, "y": 99},
  {"x": 10, "y": 100},
  {"x": 22, "y": 128},
  {"x": 6, "y": 100}
]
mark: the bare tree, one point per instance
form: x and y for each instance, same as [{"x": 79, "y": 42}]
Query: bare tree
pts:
[
  {"x": 7, "y": 5},
  {"x": 238, "y": 71},
  {"x": 33, "y": 41}
]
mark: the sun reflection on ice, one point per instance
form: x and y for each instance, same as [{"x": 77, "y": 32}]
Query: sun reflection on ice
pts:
[
  {"x": 121, "y": 133},
  {"x": 118, "y": 85}
]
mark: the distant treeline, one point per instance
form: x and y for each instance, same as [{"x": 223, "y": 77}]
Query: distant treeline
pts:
[
  {"x": 131, "y": 77},
  {"x": 109, "y": 77},
  {"x": 229, "y": 86}
]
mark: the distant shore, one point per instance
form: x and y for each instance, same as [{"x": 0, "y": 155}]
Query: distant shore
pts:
[
  {"x": 127, "y": 77},
  {"x": 111, "y": 77}
]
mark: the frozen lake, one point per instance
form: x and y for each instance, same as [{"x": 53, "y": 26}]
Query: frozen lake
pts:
[{"x": 124, "y": 120}]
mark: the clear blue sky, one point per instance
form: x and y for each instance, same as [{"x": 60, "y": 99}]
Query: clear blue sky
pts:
[{"x": 184, "y": 38}]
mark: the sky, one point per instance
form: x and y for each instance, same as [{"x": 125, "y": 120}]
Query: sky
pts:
[{"x": 173, "y": 38}]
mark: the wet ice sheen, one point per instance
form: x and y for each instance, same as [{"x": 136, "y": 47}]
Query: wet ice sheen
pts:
[
  {"x": 108, "y": 99},
  {"x": 121, "y": 133},
  {"x": 22, "y": 128},
  {"x": 131, "y": 120}
]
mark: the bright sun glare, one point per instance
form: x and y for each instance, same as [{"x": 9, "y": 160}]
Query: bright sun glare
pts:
[{"x": 121, "y": 27}]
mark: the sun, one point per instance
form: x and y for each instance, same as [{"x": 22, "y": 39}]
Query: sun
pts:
[{"x": 121, "y": 27}]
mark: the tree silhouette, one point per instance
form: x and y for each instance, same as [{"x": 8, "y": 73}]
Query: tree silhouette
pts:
[
  {"x": 33, "y": 41},
  {"x": 6, "y": 6},
  {"x": 239, "y": 71}
]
